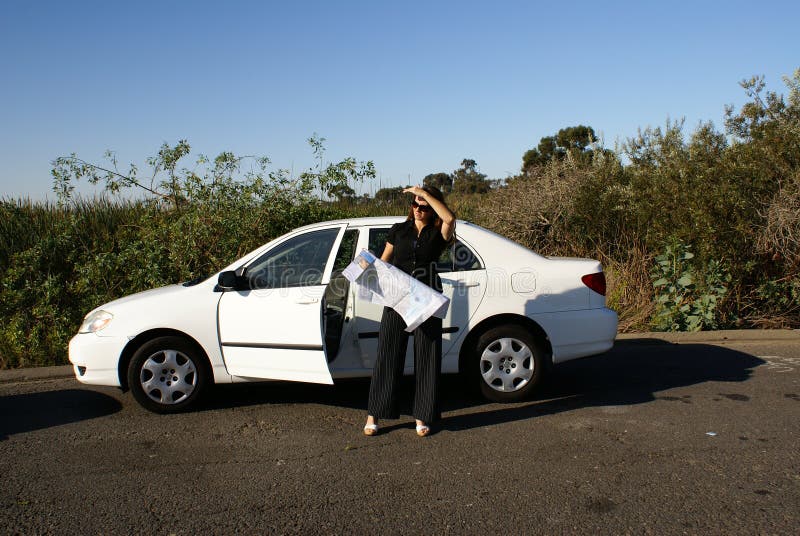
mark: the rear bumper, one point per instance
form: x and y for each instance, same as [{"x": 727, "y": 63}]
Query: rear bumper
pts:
[
  {"x": 575, "y": 334},
  {"x": 95, "y": 359}
]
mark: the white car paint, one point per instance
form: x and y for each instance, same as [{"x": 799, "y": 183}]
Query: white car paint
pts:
[{"x": 277, "y": 333}]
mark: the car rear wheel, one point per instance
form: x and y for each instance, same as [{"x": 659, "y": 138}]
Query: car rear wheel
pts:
[
  {"x": 507, "y": 364},
  {"x": 167, "y": 374}
]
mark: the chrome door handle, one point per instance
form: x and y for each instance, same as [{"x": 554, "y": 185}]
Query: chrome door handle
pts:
[{"x": 307, "y": 301}]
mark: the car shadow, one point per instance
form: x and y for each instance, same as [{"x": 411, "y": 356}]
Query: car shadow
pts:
[
  {"x": 36, "y": 411},
  {"x": 633, "y": 372}
]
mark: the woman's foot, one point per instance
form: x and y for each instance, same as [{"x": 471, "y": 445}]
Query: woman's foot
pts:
[
  {"x": 422, "y": 429},
  {"x": 371, "y": 428}
]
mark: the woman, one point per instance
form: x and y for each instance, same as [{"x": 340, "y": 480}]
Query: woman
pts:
[{"x": 414, "y": 246}]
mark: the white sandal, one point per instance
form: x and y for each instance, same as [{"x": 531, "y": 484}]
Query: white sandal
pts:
[
  {"x": 370, "y": 429},
  {"x": 423, "y": 430}
]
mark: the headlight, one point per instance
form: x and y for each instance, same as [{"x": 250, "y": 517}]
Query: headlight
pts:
[{"x": 95, "y": 321}]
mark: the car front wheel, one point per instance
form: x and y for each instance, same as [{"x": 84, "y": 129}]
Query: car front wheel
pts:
[
  {"x": 167, "y": 374},
  {"x": 507, "y": 364}
]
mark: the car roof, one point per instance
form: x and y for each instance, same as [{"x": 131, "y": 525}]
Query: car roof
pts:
[
  {"x": 372, "y": 220},
  {"x": 464, "y": 229},
  {"x": 476, "y": 235}
]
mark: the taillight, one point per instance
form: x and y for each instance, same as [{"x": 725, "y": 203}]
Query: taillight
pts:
[{"x": 596, "y": 282}]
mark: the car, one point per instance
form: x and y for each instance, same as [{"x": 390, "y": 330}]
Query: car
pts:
[{"x": 286, "y": 312}]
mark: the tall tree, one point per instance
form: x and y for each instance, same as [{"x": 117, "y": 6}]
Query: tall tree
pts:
[
  {"x": 443, "y": 181},
  {"x": 342, "y": 192},
  {"x": 576, "y": 141},
  {"x": 468, "y": 180},
  {"x": 389, "y": 195}
]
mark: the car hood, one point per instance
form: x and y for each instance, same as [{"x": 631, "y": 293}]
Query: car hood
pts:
[{"x": 155, "y": 293}]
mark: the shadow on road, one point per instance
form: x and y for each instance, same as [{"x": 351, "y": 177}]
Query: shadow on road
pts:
[
  {"x": 632, "y": 373},
  {"x": 35, "y": 411}
]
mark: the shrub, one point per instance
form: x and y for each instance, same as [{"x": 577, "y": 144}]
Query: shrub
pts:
[
  {"x": 687, "y": 298},
  {"x": 61, "y": 261}
]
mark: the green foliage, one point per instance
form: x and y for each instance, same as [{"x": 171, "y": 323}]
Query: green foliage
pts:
[
  {"x": 468, "y": 180},
  {"x": 342, "y": 192},
  {"x": 687, "y": 298},
  {"x": 782, "y": 295},
  {"x": 45, "y": 287},
  {"x": 464, "y": 180},
  {"x": 59, "y": 262},
  {"x": 389, "y": 195},
  {"x": 576, "y": 142},
  {"x": 732, "y": 195},
  {"x": 443, "y": 181}
]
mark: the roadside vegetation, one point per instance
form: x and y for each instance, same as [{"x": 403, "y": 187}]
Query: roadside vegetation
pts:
[{"x": 695, "y": 231}]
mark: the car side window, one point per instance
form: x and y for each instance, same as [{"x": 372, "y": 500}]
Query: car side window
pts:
[
  {"x": 456, "y": 258},
  {"x": 377, "y": 240},
  {"x": 297, "y": 262},
  {"x": 347, "y": 250}
]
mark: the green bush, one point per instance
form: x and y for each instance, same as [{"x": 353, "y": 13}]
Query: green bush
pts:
[
  {"x": 687, "y": 297},
  {"x": 732, "y": 197},
  {"x": 60, "y": 261}
]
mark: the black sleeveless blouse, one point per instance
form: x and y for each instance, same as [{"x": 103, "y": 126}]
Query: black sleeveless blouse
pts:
[{"x": 417, "y": 255}]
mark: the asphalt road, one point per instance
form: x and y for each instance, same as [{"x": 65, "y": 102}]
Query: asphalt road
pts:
[{"x": 652, "y": 438}]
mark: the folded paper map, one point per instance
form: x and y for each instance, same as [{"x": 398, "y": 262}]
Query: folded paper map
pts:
[{"x": 384, "y": 284}]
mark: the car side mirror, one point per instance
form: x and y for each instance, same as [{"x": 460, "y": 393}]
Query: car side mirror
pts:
[{"x": 228, "y": 281}]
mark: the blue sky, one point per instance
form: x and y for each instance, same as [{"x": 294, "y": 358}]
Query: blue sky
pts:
[{"x": 414, "y": 86}]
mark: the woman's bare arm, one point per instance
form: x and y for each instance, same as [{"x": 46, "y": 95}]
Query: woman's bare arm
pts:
[{"x": 388, "y": 251}]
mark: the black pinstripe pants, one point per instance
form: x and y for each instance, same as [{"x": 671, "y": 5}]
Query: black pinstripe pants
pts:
[{"x": 392, "y": 343}]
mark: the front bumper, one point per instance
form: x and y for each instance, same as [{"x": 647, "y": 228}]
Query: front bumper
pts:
[{"x": 95, "y": 359}]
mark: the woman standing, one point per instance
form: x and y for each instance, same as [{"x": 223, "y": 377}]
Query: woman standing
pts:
[{"x": 413, "y": 246}]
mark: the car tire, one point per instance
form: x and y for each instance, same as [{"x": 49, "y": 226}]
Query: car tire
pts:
[
  {"x": 507, "y": 364},
  {"x": 168, "y": 374}
]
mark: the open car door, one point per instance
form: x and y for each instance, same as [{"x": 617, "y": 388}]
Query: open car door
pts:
[{"x": 271, "y": 326}]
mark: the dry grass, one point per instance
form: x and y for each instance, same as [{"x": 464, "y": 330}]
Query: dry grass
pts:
[
  {"x": 629, "y": 288},
  {"x": 534, "y": 210},
  {"x": 774, "y": 322},
  {"x": 780, "y": 235}
]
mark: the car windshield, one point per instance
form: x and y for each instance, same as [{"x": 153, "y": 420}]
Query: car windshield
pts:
[{"x": 299, "y": 261}]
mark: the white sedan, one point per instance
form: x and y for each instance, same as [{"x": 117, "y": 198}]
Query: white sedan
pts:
[{"x": 285, "y": 312}]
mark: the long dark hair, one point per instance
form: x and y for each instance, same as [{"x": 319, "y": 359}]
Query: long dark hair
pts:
[{"x": 436, "y": 193}]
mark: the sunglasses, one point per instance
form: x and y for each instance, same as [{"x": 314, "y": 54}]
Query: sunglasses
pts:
[{"x": 421, "y": 208}]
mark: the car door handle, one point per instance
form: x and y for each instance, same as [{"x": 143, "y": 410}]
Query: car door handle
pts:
[
  {"x": 460, "y": 284},
  {"x": 466, "y": 285},
  {"x": 307, "y": 301}
]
